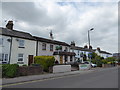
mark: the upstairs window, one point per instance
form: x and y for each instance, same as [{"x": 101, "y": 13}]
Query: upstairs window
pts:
[
  {"x": 43, "y": 46},
  {"x": 21, "y": 43},
  {"x": 51, "y": 47}
]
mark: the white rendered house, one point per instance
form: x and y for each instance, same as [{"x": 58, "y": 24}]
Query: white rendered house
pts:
[
  {"x": 48, "y": 47},
  {"x": 20, "y": 46}
]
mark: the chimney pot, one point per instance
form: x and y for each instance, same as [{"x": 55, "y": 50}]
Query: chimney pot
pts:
[{"x": 9, "y": 25}]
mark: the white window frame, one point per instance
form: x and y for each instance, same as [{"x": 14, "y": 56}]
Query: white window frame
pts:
[
  {"x": 6, "y": 58},
  {"x": 21, "y": 57},
  {"x": 3, "y": 57},
  {"x": 51, "y": 48},
  {"x": 44, "y": 46},
  {"x": 21, "y": 43}
]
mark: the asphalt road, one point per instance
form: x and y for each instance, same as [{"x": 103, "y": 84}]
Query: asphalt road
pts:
[{"x": 105, "y": 78}]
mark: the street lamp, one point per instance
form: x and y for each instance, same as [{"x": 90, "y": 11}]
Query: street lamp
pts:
[
  {"x": 89, "y": 41},
  {"x": 89, "y": 36}
]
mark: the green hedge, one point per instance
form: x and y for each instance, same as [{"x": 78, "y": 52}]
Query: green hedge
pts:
[
  {"x": 44, "y": 61},
  {"x": 9, "y": 70}
]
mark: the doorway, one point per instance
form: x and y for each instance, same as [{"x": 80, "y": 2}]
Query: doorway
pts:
[
  {"x": 30, "y": 59},
  {"x": 61, "y": 59}
]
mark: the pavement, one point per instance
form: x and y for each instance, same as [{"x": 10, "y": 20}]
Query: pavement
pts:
[{"x": 45, "y": 76}]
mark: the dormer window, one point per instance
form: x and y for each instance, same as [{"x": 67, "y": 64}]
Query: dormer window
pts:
[{"x": 21, "y": 43}]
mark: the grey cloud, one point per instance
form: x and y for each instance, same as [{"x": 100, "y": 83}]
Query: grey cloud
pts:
[{"x": 71, "y": 23}]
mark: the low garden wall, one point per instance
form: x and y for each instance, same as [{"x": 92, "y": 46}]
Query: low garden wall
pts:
[
  {"x": 108, "y": 65},
  {"x": 31, "y": 70},
  {"x": 60, "y": 68},
  {"x": 84, "y": 66}
]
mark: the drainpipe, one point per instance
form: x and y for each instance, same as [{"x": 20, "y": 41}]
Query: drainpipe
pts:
[
  {"x": 37, "y": 48},
  {"x": 10, "y": 50}
]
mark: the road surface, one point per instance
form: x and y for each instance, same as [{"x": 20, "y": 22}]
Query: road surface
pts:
[{"x": 102, "y": 78}]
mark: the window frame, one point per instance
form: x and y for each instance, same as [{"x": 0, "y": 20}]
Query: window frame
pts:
[
  {"x": 21, "y": 43},
  {"x": 51, "y": 47},
  {"x": 44, "y": 45},
  {"x": 5, "y": 59},
  {"x": 19, "y": 57}
]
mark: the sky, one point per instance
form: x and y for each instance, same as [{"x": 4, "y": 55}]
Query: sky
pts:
[{"x": 68, "y": 20}]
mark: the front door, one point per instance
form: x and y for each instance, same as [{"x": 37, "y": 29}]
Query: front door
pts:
[
  {"x": 61, "y": 59},
  {"x": 30, "y": 59}
]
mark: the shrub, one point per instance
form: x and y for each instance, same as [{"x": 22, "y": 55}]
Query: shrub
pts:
[
  {"x": 104, "y": 61},
  {"x": 44, "y": 61},
  {"x": 110, "y": 59},
  {"x": 9, "y": 70}
]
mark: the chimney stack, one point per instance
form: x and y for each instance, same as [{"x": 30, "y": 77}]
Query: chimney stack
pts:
[
  {"x": 90, "y": 47},
  {"x": 86, "y": 47},
  {"x": 73, "y": 43},
  {"x": 98, "y": 48},
  {"x": 9, "y": 25}
]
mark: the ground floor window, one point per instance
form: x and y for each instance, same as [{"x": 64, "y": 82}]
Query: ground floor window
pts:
[
  {"x": 66, "y": 58},
  {"x": 20, "y": 57},
  {"x": 4, "y": 57},
  {"x": 71, "y": 58}
]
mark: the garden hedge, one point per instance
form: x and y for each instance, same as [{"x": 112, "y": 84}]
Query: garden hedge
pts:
[
  {"x": 9, "y": 70},
  {"x": 44, "y": 61}
]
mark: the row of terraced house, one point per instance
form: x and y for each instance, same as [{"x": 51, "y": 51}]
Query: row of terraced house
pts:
[{"x": 21, "y": 47}]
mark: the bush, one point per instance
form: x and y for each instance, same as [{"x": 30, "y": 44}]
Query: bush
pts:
[
  {"x": 110, "y": 59},
  {"x": 104, "y": 61},
  {"x": 9, "y": 70},
  {"x": 44, "y": 61}
]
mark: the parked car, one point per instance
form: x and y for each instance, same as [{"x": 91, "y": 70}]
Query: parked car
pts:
[{"x": 92, "y": 64}]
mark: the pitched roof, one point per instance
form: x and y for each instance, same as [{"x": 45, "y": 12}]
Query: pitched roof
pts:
[
  {"x": 82, "y": 49},
  {"x": 51, "y": 41},
  {"x": 15, "y": 33},
  {"x": 104, "y": 52}
]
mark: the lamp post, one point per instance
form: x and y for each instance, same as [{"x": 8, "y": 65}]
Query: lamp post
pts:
[
  {"x": 89, "y": 36},
  {"x": 89, "y": 41}
]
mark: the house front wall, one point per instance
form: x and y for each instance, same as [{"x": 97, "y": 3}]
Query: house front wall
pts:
[
  {"x": 29, "y": 49},
  {"x": 5, "y": 42},
  {"x": 47, "y": 52},
  {"x": 62, "y": 58}
]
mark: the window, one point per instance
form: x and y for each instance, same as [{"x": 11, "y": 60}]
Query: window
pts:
[
  {"x": 66, "y": 58},
  {"x": 20, "y": 57},
  {"x": 66, "y": 49},
  {"x": 60, "y": 47},
  {"x": 6, "y": 57},
  {"x": 3, "y": 57},
  {"x": 51, "y": 47},
  {"x": 43, "y": 46},
  {"x": 71, "y": 58},
  {"x": 1, "y": 41},
  {"x": 21, "y": 43}
]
